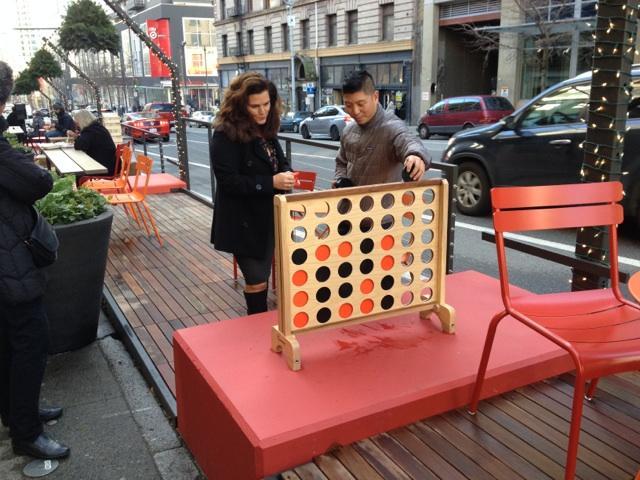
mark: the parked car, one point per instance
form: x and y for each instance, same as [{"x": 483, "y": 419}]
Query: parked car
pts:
[
  {"x": 165, "y": 110},
  {"x": 291, "y": 121},
  {"x": 329, "y": 120},
  {"x": 540, "y": 144},
  {"x": 149, "y": 121},
  {"x": 457, "y": 113},
  {"x": 202, "y": 115}
]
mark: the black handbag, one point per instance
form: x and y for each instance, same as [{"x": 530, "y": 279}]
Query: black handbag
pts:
[{"x": 43, "y": 241}]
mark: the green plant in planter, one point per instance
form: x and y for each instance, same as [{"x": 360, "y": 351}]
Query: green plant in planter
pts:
[
  {"x": 65, "y": 204},
  {"x": 15, "y": 144}
]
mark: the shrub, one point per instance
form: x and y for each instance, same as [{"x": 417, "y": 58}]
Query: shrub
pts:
[{"x": 65, "y": 204}]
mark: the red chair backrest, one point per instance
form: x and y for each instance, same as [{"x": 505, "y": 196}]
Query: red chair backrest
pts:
[{"x": 556, "y": 206}]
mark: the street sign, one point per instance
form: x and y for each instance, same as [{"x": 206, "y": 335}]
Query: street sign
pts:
[{"x": 291, "y": 21}]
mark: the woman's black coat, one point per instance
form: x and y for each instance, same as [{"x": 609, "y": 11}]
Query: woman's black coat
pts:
[
  {"x": 243, "y": 209},
  {"x": 22, "y": 182},
  {"x": 96, "y": 141}
]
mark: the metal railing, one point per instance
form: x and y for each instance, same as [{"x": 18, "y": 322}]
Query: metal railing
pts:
[{"x": 146, "y": 135}]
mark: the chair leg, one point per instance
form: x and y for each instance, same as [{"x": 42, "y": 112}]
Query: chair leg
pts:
[
  {"x": 574, "y": 431},
  {"x": 482, "y": 369},
  {"x": 592, "y": 389},
  {"x": 153, "y": 223},
  {"x": 144, "y": 221},
  {"x": 273, "y": 273}
]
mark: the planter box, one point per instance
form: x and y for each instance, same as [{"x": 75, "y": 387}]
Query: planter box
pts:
[{"x": 74, "y": 290}]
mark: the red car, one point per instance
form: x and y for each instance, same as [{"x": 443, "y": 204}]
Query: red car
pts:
[
  {"x": 150, "y": 122},
  {"x": 165, "y": 110},
  {"x": 455, "y": 113}
]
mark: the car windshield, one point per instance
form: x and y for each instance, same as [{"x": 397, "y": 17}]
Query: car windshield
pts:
[
  {"x": 161, "y": 107},
  {"x": 144, "y": 115},
  {"x": 497, "y": 103}
]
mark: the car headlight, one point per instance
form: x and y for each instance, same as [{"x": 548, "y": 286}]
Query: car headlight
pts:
[{"x": 451, "y": 139}]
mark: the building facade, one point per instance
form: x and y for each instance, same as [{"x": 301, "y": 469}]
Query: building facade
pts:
[{"x": 326, "y": 39}]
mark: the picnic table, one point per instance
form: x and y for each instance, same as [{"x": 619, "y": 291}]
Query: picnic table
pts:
[{"x": 69, "y": 161}]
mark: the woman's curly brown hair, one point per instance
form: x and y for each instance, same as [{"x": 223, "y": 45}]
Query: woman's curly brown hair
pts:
[{"x": 234, "y": 119}]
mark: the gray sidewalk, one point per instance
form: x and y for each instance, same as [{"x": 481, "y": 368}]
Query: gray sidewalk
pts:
[{"x": 112, "y": 422}]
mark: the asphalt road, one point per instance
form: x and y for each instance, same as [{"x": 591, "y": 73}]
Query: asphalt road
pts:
[{"x": 470, "y": 251}]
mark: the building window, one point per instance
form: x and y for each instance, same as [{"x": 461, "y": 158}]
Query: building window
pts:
[
  {"x": 239, "y": 50},
  {"x": 332, "y": 30},
  {"x": 250, "y": 42},
  {"x": 285, "y": 37},
  {"x": 387, "y": 21},
  {"x": 198, "y": 32},
  {"x": 268, "y": 40},
  {"x": 225, "y": 46},
  {"x": 267, "y": 4},
  {"x": 223, "y": 9},
  {"x": 352, "y": 26},
  {"x": 248, "y": 6},
  {"x": 304, "y": 31}
]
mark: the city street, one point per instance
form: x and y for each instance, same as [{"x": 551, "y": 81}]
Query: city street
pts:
[{"x": 470, "y": 251}]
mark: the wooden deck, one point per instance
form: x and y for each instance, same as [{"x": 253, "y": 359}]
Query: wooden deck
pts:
[{"x": 520, "y": 435}]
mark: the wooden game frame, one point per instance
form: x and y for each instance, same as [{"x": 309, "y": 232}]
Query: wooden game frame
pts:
[{"x": 290, "y": 210}]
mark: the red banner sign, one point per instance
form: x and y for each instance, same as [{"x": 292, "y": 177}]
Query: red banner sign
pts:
[{"x": 158, "y": 30}]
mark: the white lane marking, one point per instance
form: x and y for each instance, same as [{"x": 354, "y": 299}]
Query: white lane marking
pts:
[
  {"x": 175, "y": 160},
  {"x": 313, "y": 156},
  {"x": 540, "y": 242}
]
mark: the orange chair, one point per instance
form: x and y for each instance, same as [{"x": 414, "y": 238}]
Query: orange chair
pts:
[
  {"x": 305, "y": 181},
  {"x": 117, "y": 169},
  {"x": 136, "y": 196},
  {"x": 599, "y": 329},
  {"x": 119, "y": 183},
  {"x": 634, "y": 286}
]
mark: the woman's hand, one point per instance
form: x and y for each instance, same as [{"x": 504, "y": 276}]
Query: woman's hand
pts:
[
  {"x": 283, "y": 181},
  {"x": 71, "y": 134}
]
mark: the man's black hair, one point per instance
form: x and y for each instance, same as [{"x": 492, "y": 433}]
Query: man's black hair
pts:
[{"x": 359, "y": 81}]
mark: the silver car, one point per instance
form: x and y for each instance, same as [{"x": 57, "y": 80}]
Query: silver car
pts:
[{"x": 328, "y": 121}]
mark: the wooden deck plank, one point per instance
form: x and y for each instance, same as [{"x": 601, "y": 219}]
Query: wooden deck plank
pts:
[{"x": 521, "y": 435}]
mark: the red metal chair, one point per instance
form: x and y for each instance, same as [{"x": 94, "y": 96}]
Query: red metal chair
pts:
[
  {"x": 304, "y": 181},
  {"x": 598, "y": 328},
  {"x": 634, "y": 286}
]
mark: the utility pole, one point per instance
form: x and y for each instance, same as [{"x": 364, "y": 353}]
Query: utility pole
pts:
[
  {"x": 206, "y": 80},
  {"x": 291, "y": 23}
]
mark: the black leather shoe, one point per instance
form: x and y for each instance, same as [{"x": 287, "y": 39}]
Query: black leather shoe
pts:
[
  {"x": 49, "y": 413},
  {"x": 42, "y": 447}
]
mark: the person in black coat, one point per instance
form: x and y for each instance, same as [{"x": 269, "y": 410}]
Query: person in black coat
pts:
[
  {"x": 94, "y": 139},
  {"x": 23, "y": 321},
  {"x": 250, "y": 168},
  {"x": 62, "y": 124}
]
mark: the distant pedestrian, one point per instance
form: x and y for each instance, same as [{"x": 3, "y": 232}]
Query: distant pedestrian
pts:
[
  {"x": 250, "y": 168},
  {"x": 391, "y": 107},
  {"x": 377, "y": 146},
  {"x": 23, "y": 322}
]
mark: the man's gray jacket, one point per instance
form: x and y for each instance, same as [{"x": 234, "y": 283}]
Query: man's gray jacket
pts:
[{"x": 375, "y": 152}]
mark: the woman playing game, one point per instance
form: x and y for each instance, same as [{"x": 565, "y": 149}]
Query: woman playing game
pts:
[{"x": 250, "y": 168}]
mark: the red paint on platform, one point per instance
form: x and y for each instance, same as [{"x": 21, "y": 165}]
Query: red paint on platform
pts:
[
  {"x": 244, "y": 414},
  {"x": 161, "y": 183}
]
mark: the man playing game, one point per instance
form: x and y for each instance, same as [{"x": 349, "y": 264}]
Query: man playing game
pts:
[{"x": 377, "y": 146}]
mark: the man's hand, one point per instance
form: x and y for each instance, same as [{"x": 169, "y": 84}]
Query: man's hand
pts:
[
  {"x": 284, "y": 181},
  {"x": 71, "y": 134},
  {"x": 414, "y": 165}
]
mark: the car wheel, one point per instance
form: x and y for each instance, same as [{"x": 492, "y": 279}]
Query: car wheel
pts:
[
  {"x": 472, "y": 192},
  {"x": 423, "y": 131},
  {"x": 295, "y": 128},
  {"x": 305, "y": 132},
  {"x": 467, "y": 125},
  {"x": 334, "y": 133}
]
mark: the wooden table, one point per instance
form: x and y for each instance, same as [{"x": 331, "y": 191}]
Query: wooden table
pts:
[{"x": 68, "y": 161}]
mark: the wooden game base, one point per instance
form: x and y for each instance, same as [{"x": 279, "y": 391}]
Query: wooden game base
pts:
[
  {"x": 289, "y": 346},
  {"x": 244, "y": 414}
]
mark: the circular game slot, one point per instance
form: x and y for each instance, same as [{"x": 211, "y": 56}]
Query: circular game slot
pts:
[
  {"x": 345, "y": 249},
  {"x": 344, "y": 206},
  {"x": 426, "y": 294},
  {"x": 299, "y": 256},
  {"x": 387, "y": 302},
  {"x": 407, "y": 219},
  {"x": 366, "y": 224},
  {"x": 299, "y": 278},
  {"x": 426, "y": 256},
  {"x": 428, "y": 195},
  {"x": 322, "y": 210},
  {"x": 406, "y": 278},
  {"x": 300, "y": 319},
  {"x": 299, "y": 234},
  {"x": 387, "y": 222},
  {"x": 323, "y": 315},
  {"x": 300, "y": 299},
  {"x": 388, "y": 200},
  {"x": 323, "y": 252},
  {"x": 387, "y": 242},
  {"x": 387, "y": 262},
  {"x": 323, "y": 274},
  {"x": 407, "y": 239},
  {"x": 366, "y": 266},
  {"x": 387, "y": 282},
  {"x": 323, "y": 294},
  {"x": 366, "y": 306},
  {"x": 299, "y": 213},
  {"x": 345, "y": 269},
  {"x": 346, "y": 310},
  {"x": 427, "y": 236},
  {"x": 408, "y": 198},
  {"x": 427, "y": 216},
  {"x": 366, "y": 203},
  {"x": 322, "y": 231},
  {"x": 366, "y": 286},
  {"x": 366, "y": 245},
  {"x": 426, "y": 275},
  {"x": 345, "y": 290},
  {"x": 407, "y": 259},
  {"x": 406, "y": 298},
  {"x": 344, "y": 228}
]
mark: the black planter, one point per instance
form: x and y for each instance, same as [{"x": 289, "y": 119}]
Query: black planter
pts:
[{"x": 74, "y": 289}]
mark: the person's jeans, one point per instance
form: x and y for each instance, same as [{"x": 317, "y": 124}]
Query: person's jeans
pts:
[
  {"x": 55, "y": 133},
  {"x": 24, "y": 340}
]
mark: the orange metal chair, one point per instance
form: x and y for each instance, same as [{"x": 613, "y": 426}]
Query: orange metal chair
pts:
[
  {"x": 137, "y": 195},
  {"x": 634, "y": 286},
  {"x": 305, "y": 181},
  {"x": 118, "y": 183},
  {"x": 599, "y": 329},
  {"x": 120, "y": 148}
]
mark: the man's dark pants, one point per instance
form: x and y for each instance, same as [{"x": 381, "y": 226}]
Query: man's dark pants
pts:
[{"x": 24, "y": 338}]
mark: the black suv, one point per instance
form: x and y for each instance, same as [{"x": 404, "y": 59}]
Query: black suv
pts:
[{"x": 540, "y": 144}]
